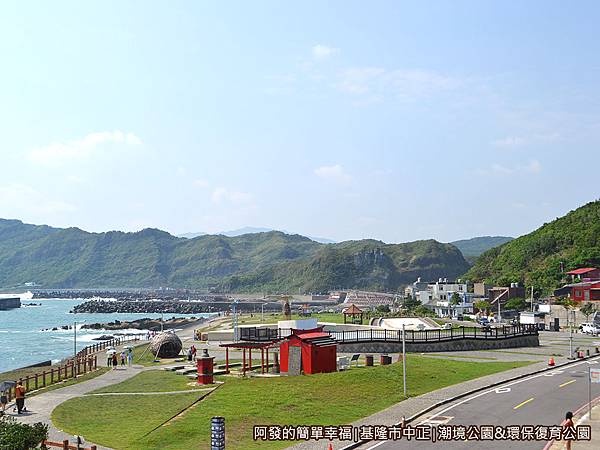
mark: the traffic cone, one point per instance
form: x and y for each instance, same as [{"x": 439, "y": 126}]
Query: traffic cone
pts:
[
  {"x": 330, "y": 447},
  {"x": 551, "y": 361}
]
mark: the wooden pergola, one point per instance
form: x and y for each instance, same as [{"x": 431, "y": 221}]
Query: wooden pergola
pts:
[
  {"x": 355, "y": 314},
  {"x": 264, "y": 354}
]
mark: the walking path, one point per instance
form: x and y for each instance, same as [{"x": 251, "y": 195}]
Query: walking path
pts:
[
  {"x": 187, "y": 391},
  {"x": 40, "y": 407}
]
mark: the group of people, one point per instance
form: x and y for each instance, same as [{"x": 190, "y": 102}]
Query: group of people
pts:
[
  {"x": 19, "y": 399},
  {"x": 126, "y": 358}
]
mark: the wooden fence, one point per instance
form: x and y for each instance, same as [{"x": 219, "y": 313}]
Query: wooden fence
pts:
[
  {"x": 66, "y": 446},
  {"x": 86, "y": 361}
]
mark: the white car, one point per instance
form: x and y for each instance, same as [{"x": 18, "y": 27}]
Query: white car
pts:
[{"x": 590, "y": 328}]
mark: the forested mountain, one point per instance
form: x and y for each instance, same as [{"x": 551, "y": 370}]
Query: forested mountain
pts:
[
  {"x": 274, "y": 261},
  {"x": 536, "y": 257}
]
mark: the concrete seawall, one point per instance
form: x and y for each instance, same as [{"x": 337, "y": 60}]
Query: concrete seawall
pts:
[
  {"x": 9, "y": 303},
  {"x": 455, "y": 345}
]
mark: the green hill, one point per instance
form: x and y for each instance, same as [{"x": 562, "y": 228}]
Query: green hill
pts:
[
  {"x": 274, "y": 261},
  {"x": 536, "y": 257}
]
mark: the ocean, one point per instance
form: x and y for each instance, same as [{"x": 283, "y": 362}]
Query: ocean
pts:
[{"x": 22, "y": 341}]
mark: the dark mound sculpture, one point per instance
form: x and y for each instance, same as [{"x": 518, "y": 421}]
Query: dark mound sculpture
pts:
[{"x": 166, "y": 345}]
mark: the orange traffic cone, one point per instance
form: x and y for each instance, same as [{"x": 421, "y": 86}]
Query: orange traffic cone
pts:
[
  {"x": 330, "y": 447},
  {"x": 551, "y": 361}
]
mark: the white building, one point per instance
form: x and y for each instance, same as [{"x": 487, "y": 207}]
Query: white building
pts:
[
  {"x": 444, "y": 308},
  {"x": 443, "y": 289}
]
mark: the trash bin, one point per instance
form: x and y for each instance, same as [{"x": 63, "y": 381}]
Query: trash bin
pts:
[
  {"x": 369, "y": 360},
  {"x": 385, "y": 360}
]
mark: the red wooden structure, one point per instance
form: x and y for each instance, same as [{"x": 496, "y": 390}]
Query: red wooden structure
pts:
[
  {"x": 318, "y": 351},
  {"x": 264, "y": 354}
]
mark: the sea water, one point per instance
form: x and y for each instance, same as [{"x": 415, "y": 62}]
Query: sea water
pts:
[{"x": 22, "y": 341}]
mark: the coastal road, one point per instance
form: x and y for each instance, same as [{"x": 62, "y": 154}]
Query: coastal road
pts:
[{"x": 541, "y": 399}]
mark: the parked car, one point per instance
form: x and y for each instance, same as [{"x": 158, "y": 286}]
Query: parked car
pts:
[
  {"x": 484, "y": 321},
  {"x": 590, "y": 328}
]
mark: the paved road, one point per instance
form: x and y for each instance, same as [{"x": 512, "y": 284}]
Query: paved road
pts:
[{"x": 537, "y": 400}]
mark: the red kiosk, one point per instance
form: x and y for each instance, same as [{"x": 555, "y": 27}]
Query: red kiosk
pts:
[{"x": 318, "y": 351}]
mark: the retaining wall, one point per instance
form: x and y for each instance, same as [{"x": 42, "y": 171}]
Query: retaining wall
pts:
[{"x": 455, "y": 345}]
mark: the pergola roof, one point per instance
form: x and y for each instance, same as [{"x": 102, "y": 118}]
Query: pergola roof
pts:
[
  {"x": 581, "y": 271},
  {"x": 251, "y": 345},
  {"x": 353, "y": 309}
]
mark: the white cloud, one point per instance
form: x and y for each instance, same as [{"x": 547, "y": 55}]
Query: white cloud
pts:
[
  {"x": 223, "y": 195},
  {"x": 401, "y": 83},
  {"x": 59, "y": 152},
  {"x": 201, "y": 183},
  {"x": 321, "y": 51},
  {"x": 509, "y": 141},
  {"x": 532, "y": 167},
  {"x": 333, "y": 173},
  {"x": 21, "y": 200}
]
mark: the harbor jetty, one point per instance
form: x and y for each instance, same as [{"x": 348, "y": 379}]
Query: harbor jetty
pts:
[{"x": 9, "y": 303}]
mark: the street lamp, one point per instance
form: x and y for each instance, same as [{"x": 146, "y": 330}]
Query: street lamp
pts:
[
  {"x": 404, "y": 358},
  {"x": 235, "y": 320}
]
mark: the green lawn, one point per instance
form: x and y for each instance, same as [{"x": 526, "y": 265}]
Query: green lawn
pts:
[
  {"x": 152, "y": 381},
  {"x": 335, "y": 398},
  {"x": 70, "y": 381},
  {"x": 273, "y": 318}
]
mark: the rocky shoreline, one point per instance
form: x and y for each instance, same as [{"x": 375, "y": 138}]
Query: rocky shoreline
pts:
[{"x": 144, "y": 324}]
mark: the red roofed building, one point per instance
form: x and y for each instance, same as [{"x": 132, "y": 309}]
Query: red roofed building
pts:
[
  {"x": 318, "y": 351},
  {"x": 585, "y": 292},
  {"x": 585, "y": 273}
]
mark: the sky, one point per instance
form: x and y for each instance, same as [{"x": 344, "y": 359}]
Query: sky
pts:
[{"x": 389, "y": 120}]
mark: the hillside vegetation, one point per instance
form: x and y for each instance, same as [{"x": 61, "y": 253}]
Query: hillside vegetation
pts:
[
  {"x": 272, "y": 261},
  {"x": 535, "y": 258}
]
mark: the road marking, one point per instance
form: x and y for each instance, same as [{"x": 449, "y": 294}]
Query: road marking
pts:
[
  {"x": 502, "y": 390},
  {"x": 568, "y": 382},
  {"x": 522, "y": 380},
  {"x": 592, "y": 362},
  {"x": 377, "y": 445},
  {"x": 523, "y": 403}
]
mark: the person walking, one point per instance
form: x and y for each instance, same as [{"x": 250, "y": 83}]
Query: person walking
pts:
[
  {"x": 130, "y": 357},
  {"x": 20, "y": 397},
  {"x": 122, "y": 359},
  {"x": 3, "y": 402},
  {"x": 568, "y": 423},
  {"x": 114, "y": 360},
  {"x": 108, "y": 360},
  {"x": 193, "y": 349}
]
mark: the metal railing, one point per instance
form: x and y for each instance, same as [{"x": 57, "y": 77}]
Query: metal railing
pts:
[
  {"x": 451, "y": 334},
  {"x": 388, "y": 335}
]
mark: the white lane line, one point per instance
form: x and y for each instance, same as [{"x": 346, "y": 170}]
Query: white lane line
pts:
[
  {"x": 490, "y": 391},
  {"x": 377, "y": 445}
]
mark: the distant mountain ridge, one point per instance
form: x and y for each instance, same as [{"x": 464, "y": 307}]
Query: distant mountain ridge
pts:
[
  {"x": 272, "y": 261},
  {"x": 474, "y": 247},
  {"x": 252, "y": 230},
  {"x": 535, "y": 258}
]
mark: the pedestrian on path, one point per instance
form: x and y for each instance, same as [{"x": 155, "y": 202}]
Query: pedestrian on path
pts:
[
  {"x": 568, "y": 423},
  {"x": 20, "y": 397},
  {"x": 130, "y": 357},
  {"x": 122, "y": 359},
  {"x": 3, "y": 402},
  {"x": 114, "y": 361},
  {"x": 108, "y": 360}
]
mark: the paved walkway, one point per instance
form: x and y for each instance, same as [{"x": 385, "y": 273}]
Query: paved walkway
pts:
[
  {"x": 582, "y": 418},
  {"x": 40, "y": 406}
]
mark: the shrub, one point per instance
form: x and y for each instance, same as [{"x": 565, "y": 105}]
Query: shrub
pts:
[{"x": 20, "y": 436}]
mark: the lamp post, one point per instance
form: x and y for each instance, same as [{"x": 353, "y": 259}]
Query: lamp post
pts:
[
  {"x": 404, "y": 359},
  {"x": 75, "y": 338},
  {"x": 235, "y": 321}
]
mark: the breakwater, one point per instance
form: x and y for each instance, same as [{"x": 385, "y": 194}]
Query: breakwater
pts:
[
  {"x": 169, "y": 306},
  {"x": 144, "y": 324},
  {"x": 139, "y": 294}
]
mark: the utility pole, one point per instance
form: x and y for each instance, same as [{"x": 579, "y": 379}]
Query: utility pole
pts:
[
  {"x": 404, "y": 358},
  {"x": 570, "y": 337},
  {"x": 532, "y": 298},
  {"x": 262, "y": 312},
  {"x": 74, "y": 340},
  {"x": 235, "y": 321}
]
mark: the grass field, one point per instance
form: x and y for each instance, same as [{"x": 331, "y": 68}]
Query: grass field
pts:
[
  {"x": 152, "y": 381},
  {"x": 335, "y": 398},
  {"x": 273, "y": 318}
]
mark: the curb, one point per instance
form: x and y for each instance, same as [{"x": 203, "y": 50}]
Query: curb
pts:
[{"x": 472, "y": 391}]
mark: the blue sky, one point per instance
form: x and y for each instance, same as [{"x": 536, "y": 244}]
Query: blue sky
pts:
[{"x": 386, "y": 119}]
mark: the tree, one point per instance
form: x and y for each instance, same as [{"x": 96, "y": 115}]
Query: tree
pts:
[
  {"x": 455, "y": 300},
  {"x": 411, "y": 303},
  {"x": 383, "y": 309},
  {"x": 20, "y": 436},
  {"x": 568, "y": 304},
  {"x": 482, "y": 305},
  {"x": 518, "y": 303},
  {"x": 587, "y": 310}
]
